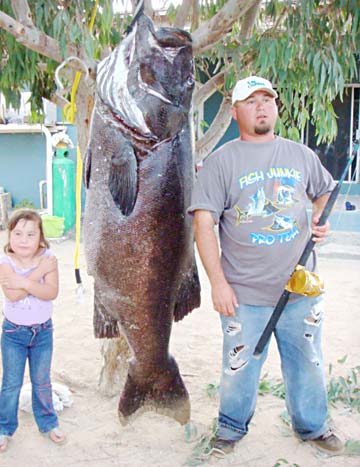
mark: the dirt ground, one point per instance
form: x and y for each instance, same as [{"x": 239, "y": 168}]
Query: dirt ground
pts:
[{"x": 95, "y": 436}]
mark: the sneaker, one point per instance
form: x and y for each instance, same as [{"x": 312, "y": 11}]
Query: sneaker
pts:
[
  {"x": 221, "y": 447},
  {"x": 329, "y": 442}
]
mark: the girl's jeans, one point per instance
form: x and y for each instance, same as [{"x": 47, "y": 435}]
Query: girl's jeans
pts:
[
  {"x": 19, "y": 343},
  {"x": 298, "y": 337}
]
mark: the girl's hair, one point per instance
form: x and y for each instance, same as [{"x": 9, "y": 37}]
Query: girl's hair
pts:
[{"x": 26, "y": 215}]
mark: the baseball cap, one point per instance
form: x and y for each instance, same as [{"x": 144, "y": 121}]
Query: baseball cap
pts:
[{"x": 245, "y": 87}]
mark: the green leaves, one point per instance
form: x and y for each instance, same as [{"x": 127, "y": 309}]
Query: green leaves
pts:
[
  {"x": 346, "y": 389},
  {"x": 66, "y": 22},
  {"x": 308, "y": 50},
  {"x": 352, "y": 447},
  {"x": 284, "y": 462}
]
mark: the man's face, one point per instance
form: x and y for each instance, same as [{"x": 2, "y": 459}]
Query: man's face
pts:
[{"x": 256, "y": 116}]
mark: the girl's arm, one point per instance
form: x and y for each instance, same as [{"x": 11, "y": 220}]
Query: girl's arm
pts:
[
  {"x": 16, "y": 287},
  {"x": 47, "y": 290},
  {"x": 10, "y": 284}
]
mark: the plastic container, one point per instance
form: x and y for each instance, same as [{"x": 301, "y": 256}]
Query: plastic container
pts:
[
  {"x": 63, "y": 172},
  {"x": 53, "y": 226}
]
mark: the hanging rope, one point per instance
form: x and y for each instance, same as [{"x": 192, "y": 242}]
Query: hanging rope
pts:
[{"x": 69, "y": 112}]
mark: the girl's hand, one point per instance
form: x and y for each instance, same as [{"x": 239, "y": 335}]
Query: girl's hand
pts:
[{"x": 11, "y": 280}]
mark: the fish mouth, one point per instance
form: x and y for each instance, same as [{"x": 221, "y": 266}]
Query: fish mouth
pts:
[
  {"x": 145, "y": 84},
  {"x": 135, "y": 134},
  {"x": 143, "y": 142}
]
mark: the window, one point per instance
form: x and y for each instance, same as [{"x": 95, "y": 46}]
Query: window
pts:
[{"x": 334, "y": 156}]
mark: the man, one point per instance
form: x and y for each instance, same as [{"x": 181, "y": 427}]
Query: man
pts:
[{"x": 256, "y": 189}]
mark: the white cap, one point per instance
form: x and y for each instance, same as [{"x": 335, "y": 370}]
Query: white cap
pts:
[{"x": 245, "y": 87}]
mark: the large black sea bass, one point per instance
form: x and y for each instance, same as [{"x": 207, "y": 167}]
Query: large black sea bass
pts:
[{"x": 139, "y": 175}]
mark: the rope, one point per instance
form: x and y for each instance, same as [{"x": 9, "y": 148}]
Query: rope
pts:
[
  {"x": 69, "y": 112},
  {"x": 78, "y": 215}
]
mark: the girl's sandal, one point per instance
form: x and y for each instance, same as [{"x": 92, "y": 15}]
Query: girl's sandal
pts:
[
  {"x": 4, "y": 441},
  {"x": 56, "y": 436}
]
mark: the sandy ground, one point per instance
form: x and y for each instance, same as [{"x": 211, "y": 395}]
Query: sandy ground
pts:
[{"x": 95, "y": 437}]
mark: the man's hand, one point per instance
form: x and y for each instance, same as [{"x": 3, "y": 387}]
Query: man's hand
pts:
[
  {"x": 319, "y": 232},
  {"x": 224, "y": 299}
]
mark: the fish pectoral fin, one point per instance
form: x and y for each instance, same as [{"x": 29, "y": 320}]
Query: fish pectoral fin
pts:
[
  {"x": 123, "y": 178},
  {"x": 188, "y": 296}
]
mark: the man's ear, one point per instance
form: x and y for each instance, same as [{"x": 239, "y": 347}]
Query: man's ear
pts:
[{"x": 233, "y": 112}]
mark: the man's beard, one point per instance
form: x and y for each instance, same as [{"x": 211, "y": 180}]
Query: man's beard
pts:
[{"x": 262, "y": 130}]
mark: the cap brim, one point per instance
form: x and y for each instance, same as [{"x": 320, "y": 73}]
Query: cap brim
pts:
[{"x": 271, "y": 92}]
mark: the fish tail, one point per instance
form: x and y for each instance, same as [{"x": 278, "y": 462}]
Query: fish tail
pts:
[
  {"x": 166, "y": 395},
  {"x": 188, "y": 296}
]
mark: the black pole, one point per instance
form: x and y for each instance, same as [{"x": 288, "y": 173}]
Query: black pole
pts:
[{"x": 281, "y": 304}]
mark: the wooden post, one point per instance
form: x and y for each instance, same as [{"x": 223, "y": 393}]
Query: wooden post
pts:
[{"x": 5, "y": 202}]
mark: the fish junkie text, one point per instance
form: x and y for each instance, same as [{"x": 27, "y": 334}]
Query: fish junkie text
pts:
[{"x": 272, "y": 173}]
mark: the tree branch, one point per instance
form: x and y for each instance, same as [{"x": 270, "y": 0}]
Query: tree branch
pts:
[
  {"x": 249, "y": 20},
  {"x": 207, "y": 89},
  {"x": 183, "y": 13},
  {"x": 22, "y": 12},
  {"x": 195, "y": 15},
  {"x": 212, "y": 30},
  {"x": 217, "y": 129},
  {"x": 45, "y": 45},
  {"x": 148, "y": 9},
  {"x": 59, "y": 101}
]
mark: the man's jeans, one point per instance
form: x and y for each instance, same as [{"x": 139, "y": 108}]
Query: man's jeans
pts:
[
  {"x": 298, "y": 336},
  {"x": 19, "y": 343}
]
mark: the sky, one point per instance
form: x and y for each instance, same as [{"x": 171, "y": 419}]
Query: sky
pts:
[{"x": 125, "y": 5}]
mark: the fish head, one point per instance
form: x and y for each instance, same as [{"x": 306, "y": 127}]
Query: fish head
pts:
[{"x": 148, "y": 80}]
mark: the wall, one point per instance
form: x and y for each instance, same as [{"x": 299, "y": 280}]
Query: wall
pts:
[{"x": 23, "y": 164}]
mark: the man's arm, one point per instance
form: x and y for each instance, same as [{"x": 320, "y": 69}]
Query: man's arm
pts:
[
  {"x": 223, "y": 296},
  {"x": 319, "y": 232}
]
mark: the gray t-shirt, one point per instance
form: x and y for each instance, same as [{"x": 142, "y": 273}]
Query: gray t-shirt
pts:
[{"x": 257, "y": 193}]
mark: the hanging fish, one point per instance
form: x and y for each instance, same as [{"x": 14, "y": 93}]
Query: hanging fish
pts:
[{"x": 139, "y": 173}]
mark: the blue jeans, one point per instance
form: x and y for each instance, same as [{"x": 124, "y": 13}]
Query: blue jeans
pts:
[
  {"x": 298, "y": 337},
  {"x": 19, "y": 343}
]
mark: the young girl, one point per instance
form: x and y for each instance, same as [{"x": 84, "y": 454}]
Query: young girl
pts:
[{"x": 29, "y": 279}]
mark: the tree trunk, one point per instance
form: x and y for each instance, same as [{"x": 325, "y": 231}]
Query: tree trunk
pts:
[{"x": 116, "y": 354}]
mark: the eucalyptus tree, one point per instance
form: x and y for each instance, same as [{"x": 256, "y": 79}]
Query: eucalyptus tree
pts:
[{"x": 308, "y": 48}]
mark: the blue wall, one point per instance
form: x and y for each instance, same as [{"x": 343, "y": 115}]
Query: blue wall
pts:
[{"x": 23, "y": 164}]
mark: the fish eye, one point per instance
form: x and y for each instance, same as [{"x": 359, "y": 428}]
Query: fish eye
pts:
[{"x": 190, "y": 81}]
